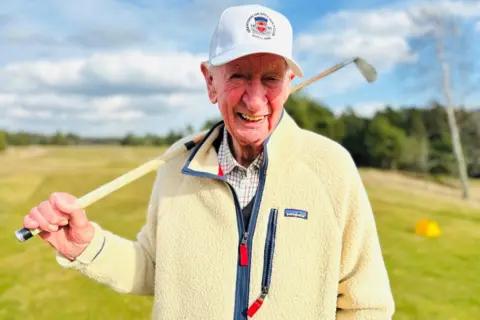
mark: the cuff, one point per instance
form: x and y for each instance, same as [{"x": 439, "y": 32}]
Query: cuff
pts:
[{"x": 89, "y": 254}]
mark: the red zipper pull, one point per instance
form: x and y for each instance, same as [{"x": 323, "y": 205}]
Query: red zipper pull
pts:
[
  {"x": 256, "y": 305},
  {"x": 244, "y": 250}
]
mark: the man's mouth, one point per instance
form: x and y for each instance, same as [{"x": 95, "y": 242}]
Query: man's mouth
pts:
[{"x": 246, "y": 117}]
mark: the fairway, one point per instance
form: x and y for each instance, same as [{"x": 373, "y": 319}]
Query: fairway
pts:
[{"x": 432, "y": 278}]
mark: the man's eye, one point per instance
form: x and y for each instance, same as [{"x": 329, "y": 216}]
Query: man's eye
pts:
[
  {"x": 237, "y": 76},
  {"x": 271, "y": 79}
]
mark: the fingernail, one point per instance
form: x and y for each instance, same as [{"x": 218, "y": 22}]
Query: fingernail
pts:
[
  {"x": 63, "y": 223},
  {"x": 52, "y": 227}
]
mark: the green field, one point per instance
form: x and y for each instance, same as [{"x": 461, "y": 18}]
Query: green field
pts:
[{"x": 434, "y": 278}]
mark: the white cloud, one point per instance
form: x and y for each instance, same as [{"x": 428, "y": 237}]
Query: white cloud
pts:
[
  {"x": 123, "y": 87},
  {"x": 103, "y": 116},
  {"x": 125, "y": 107},
  {"x": 109, "y": 115},
  {"x": 386, "y": 21},
  {"x": 466, "y": 9},
  {"x": 106, "y": 73},
  {"x": 65, "y": 26},
  {"x": 381, "y": 36},
  {"x": 19, "y": 113},
  {"x": 382, "y": 50}
]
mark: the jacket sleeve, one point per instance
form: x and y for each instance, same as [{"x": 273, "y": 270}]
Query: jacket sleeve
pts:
[
  {"x": 126, "y": 266},
  {"x": 364, "y": 290}
]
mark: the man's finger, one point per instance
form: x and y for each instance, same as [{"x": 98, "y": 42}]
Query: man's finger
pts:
[
  {"x": 29, "y": 223},
  {"x": 53, "y": 216},
  {"x": 42, "y": 222}
]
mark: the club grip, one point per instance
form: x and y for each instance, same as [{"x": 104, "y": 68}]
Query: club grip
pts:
[{"x": 24, "y": 234}]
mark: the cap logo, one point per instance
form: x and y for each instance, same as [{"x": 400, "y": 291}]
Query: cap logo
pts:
[{"x": 260, "y": 26}]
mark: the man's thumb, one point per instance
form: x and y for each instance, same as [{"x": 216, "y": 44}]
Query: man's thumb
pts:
[{"x": 70, "y": 207}]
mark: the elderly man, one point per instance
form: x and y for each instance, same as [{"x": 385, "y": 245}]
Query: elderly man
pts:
[{"x": 259, "y": 219}]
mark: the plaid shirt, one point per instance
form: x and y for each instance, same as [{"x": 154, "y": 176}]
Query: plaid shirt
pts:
[{"x": 243, "y": 180}]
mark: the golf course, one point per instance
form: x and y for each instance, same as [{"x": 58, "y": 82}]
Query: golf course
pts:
[{"x": 432, "y": 277}]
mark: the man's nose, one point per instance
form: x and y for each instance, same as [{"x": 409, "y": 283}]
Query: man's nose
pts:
[{"x": 255, "y": 96}]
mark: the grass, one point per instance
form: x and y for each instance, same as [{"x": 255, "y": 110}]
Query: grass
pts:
[{"x": 431, "y": 278}]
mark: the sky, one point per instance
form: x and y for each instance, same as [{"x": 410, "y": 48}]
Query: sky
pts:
[{"x": 107, "y": 68}]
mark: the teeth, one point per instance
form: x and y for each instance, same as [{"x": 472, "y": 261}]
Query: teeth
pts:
[{"x": 250, "y": 118}]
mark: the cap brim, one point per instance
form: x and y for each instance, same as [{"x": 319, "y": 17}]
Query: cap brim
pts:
[{"x": 238, "y": 53}]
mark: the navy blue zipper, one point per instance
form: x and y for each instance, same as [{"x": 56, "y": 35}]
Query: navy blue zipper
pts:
[
  {"x": 242, "y": 282},
  {"x": 267, "y": 262},
  {"x": 246, "y": 237}
]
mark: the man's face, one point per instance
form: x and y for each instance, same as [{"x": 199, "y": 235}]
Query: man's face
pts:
[{"x": 250, "y": 93}]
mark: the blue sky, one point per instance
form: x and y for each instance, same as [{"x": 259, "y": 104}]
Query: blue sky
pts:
[{"x": 110, "y": 67}]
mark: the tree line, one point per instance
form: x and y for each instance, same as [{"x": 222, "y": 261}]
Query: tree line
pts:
[{"x": 409, "y": 138}]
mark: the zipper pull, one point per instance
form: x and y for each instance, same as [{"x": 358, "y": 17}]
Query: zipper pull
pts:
[
  {"x": 244, "y": 250},
  {"x": 257, "y": 304}
]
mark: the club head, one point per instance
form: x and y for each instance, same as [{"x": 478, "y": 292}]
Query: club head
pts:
[{"x": 366, "y": 69}]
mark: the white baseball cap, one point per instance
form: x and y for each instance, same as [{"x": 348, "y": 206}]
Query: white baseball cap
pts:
[{"x": 249, "y": 29}]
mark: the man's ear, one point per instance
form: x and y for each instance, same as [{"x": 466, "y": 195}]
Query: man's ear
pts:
[{"x": 212, "y": 94}]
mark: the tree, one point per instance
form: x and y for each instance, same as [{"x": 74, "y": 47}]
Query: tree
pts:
[
  {"x": 314, "y": 116},
  {"x": 210, "y": 123},
  {"x": 395, "y": 117},
  {"x": 59, "y": 139},
  {"x": 354, "y": 136},
  {"x": 416, "y": 150},
  {"x": 469, "y": 123},
  {"x": 384, "y": 142},
  {"x": 19, "y": 139},
  {"x": 440, "y": 47},
  {"x": 130, "y": 139},
  {"x": 3, "y": 141},
  {"x": 447, "y": 90}
]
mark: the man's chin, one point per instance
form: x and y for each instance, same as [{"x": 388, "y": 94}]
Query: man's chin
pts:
[{"x": 252, "y": 141}]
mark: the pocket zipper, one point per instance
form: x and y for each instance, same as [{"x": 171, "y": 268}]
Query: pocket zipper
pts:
[{"x": 268, "y": 263}]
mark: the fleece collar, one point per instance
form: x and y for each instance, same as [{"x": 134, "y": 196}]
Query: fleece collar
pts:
[{"x": 279, "y": 146}]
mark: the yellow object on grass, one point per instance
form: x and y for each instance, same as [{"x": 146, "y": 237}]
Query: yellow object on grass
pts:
[{"x": 427, "y": 228}]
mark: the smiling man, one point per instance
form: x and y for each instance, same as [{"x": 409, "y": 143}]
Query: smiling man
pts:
[
  {"x": 259, "y": 219},
  {"x": 250, "y": 92}
]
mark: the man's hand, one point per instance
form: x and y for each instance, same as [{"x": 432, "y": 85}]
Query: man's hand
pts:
[{"x": 64, "y": 225}]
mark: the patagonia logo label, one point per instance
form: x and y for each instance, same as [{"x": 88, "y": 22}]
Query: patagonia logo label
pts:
[{"x": 296, "y": 213}]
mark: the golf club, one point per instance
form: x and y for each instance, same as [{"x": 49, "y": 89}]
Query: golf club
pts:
[
  {"x": 366, "y": 69},
  {"x": 23, "y": 234}
]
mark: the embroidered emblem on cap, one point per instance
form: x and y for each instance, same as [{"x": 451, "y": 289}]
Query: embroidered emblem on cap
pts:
[{"x": 261, "y": 26}]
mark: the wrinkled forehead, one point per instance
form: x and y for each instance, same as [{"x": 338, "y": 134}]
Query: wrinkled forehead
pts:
[{"x": 259, "y": 62}]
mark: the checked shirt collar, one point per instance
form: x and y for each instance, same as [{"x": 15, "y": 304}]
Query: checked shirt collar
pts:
[{"x": 228, "y": 162}]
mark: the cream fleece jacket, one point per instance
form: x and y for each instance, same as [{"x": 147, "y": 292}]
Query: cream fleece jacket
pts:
[{"x": 312, "y": 244}]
